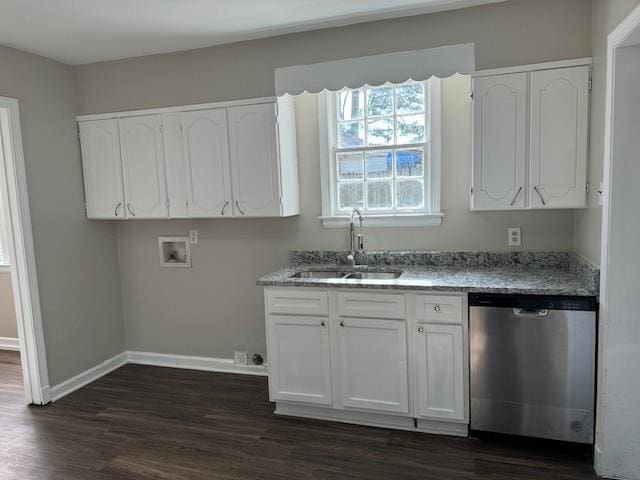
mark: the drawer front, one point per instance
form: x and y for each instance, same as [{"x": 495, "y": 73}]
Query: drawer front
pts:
[
  {"x": 371, "y": 305},
  {"x": 297, "y": 302},
  {"x": 439, "y": 308}
]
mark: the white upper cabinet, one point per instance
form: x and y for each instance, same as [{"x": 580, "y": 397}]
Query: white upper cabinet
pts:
[
  {"x": 232, "y": 159},
  {"x": 206, "y": 154},
  {"x": 143, "y": 169},
  {"x": 530, "y": 137},
  {"x": 372, "y": 364},
  {"x": 103, "y": 185},
  {"x": 254, "y": 160},
  {"x": 500, "y": 113},
  {"x": 559, "y": 129}
]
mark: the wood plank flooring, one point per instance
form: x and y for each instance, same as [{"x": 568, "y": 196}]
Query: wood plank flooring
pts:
[{"x": 144, "y": 422}]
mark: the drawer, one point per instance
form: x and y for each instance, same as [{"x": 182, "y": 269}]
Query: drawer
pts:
[
  {"x": 439, "y": 308},
  {"x": 297, "y": 302},
  {"x": 371, "y": 305}
]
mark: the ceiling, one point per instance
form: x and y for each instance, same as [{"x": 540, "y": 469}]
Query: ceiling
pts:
[{"x": 84, "y": 31}]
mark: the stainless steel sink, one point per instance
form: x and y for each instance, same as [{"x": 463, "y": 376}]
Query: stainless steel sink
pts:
[
  {"x": 329, "y": 274},
  {"x": 373, "y": 275},
  {"x": 319, "y": 274}
]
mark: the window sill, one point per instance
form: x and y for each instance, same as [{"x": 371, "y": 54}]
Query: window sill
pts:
[
  {"x": 4, "y": 267},
  {"x": 400, "y": 220}
]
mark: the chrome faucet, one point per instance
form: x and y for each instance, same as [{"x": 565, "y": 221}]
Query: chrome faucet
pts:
[{"x": 357, "y": 241}]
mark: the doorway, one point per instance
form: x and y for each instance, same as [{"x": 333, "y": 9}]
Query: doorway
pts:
[
  {"x": 18, "y": 249},
  {"x": 617, "y": 447}
]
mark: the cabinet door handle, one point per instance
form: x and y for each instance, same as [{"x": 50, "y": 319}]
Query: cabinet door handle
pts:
[
  {"x": 436, "y": 308},
  {"x": 130, "y": 209},
  {"x": 420, "y": 329},
  {"x": 513, "y": 202},
  {"x": 239, "y": 209},
  {"x": 323, "y": 323},
  {"x": 341, "y": 323},
  {"x": 115, "y": 212},
  {"x": 224, "y": 206},
  {"x": 540, "y": 195}
]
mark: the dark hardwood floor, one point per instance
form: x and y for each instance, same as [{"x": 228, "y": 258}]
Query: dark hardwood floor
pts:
[{"x": 158, "y": 423}]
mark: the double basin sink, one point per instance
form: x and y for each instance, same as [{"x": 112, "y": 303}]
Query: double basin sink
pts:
[{"x": 337, "y": 274}]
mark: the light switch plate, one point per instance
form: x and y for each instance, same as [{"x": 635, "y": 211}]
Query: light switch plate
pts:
[
  {"x": 193, "y": 237},
  {"x": 515, "y": 237}
]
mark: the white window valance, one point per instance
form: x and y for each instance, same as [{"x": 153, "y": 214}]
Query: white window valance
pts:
[{"x": 441, "y": 62}]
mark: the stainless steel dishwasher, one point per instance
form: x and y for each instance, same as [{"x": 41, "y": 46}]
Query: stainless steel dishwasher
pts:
[{"x": 532, "y": 363}]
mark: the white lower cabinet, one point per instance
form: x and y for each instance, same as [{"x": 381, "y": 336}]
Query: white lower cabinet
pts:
[
  {"x": 402, "y": 364},
  {"x": 372, "y": 364},
  {"x": 439, "y": 371},
  {"x": 299, "y": 359}
]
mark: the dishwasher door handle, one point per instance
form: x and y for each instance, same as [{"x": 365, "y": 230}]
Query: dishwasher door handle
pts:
[{"x": 523, "y": 312}]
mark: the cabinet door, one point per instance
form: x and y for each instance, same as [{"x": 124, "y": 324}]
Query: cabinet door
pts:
[
  {"x": 143, "y": 167},
  {"x": 299, "y": 363},
  {"x": 254, "y": 160},
  {"x": 559, "y": 127},
  {"x": 372, "y": 363},
  {"x": 499, "y": 150},
  {"x": 206, "y": 154},
  {"x": 440, "y": 384},
  {"x": 102, "y": 169}
]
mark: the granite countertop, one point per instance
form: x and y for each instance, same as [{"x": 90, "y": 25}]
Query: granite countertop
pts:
[{"x": 538, "y": 274}]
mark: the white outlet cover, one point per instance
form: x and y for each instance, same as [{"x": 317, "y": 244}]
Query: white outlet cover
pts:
[
  {"x": 193, "y": 237},
  {"x": 515, "y": 237},
  {"x": 240, "y": 358}
]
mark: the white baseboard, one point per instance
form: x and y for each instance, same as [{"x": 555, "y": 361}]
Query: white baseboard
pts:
[
  {"x": 208, "y": 364},
  {"x": 9, "y": 343},
  {"x": 74, "y": 383}
]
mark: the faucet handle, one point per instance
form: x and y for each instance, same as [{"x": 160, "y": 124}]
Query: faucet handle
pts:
[{"x": 360, "y": 242}]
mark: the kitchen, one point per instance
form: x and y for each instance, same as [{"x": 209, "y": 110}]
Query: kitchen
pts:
[{"x": 429, "y": 207}]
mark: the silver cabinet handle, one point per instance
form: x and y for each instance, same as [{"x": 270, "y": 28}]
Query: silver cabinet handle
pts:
[
  {"x": 420, "y": 329},
  {"x": 224, "y": 206},
  {"x": 115, "y": 212},
  {"x": 513, "y": 202},
  {"x": 239, "y": 209},
  {"x": 323, "y": 323},
  {"x": 130, "y": 209},
  {"x": 540, "y": 195},
  {"x": 436, "y": 308},
  {"x": 341, "y": 323}
]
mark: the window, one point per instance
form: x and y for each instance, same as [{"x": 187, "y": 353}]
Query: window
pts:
[{"x": 380, "y": 154}]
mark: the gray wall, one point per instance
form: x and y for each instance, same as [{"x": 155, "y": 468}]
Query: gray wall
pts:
[
  {"x": 607, "y": 14},
  {"x": 509, "y": 33},
  {"x": 76, "y": 259},
  {"x": 216, "y": 307},
  {"x": 8, "y": 326}
]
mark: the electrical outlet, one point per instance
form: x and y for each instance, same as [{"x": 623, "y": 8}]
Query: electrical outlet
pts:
[
  {"x": 193, "y": 237},
  {"x": 515, "y": 237},
  {"x": 240, "y": 357}
]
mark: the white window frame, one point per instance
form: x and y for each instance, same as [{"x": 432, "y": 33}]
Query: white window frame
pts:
[{"x": 430, "y": 215}]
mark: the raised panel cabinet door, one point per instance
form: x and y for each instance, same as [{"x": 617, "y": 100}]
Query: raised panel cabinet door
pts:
[
  {"x": 143, "y": 167},
  {"x": 499, "y": 145},
  {"x": 299, "y": 359},
  {"x": 254, "y": 160},
  {"x": 372, "y": 364},
  {"x": 559, "y": 129},
  {"x": 440, "y": 384},
  {"x": 102, "y": 169},
  {"x": 206, "y": 154}
]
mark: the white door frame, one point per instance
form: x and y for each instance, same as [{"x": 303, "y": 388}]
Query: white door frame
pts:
[
  {"x": 615, "y": 39},
  {"x": 15, "y": 202}
]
